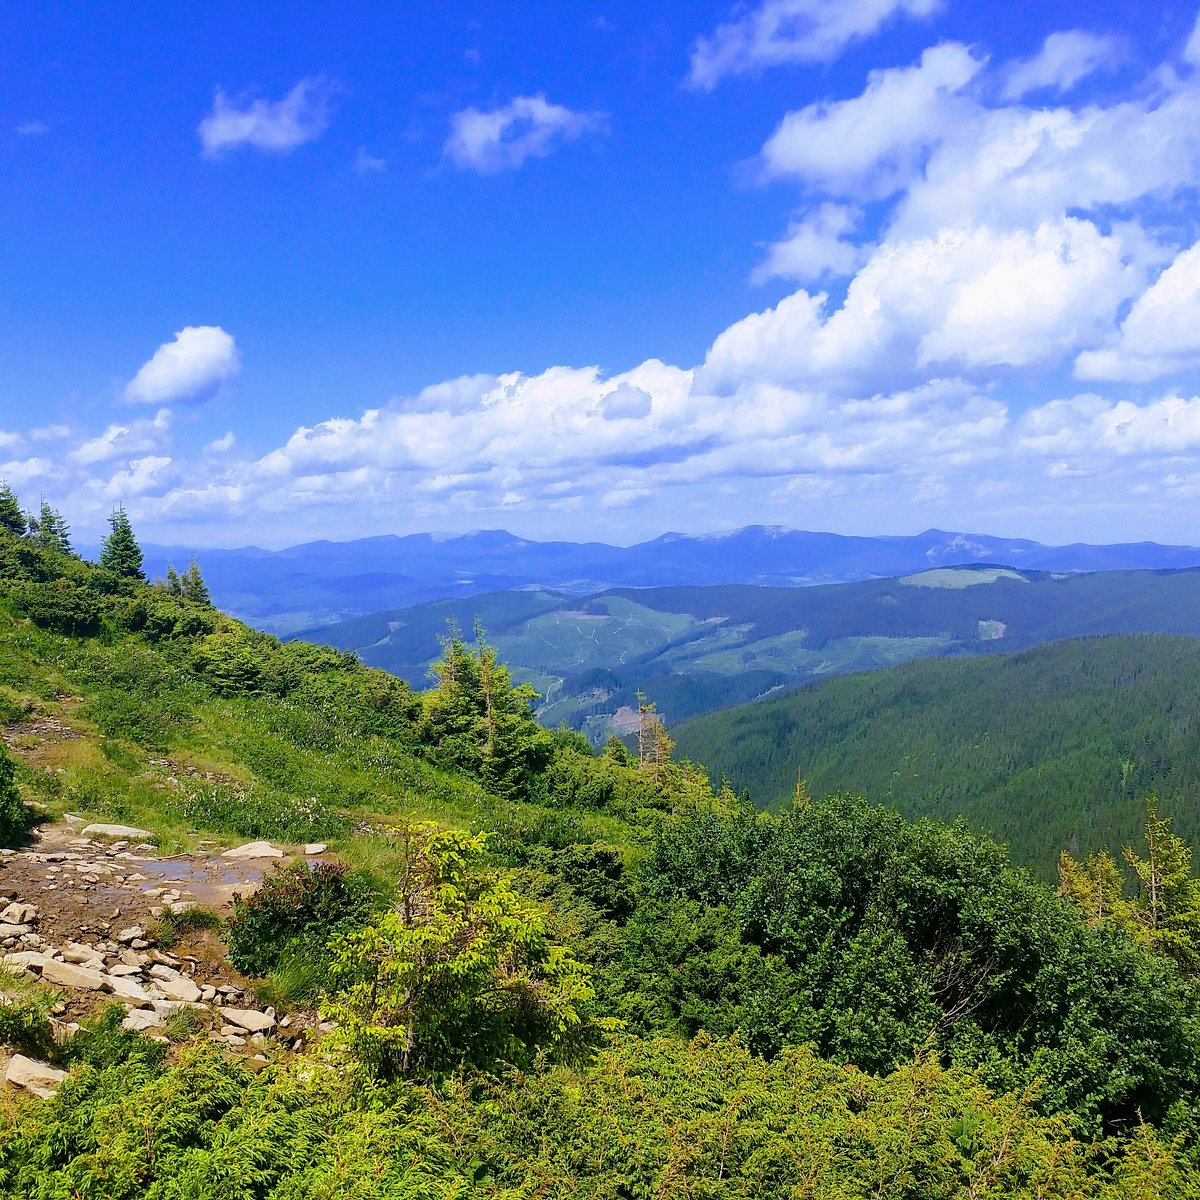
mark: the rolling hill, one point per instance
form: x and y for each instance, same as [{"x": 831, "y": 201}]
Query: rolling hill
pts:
[
  {"x": 694, "y": 649},
  {"x": 319, "y": 583},
  {"x": 1052, "y": 747}
]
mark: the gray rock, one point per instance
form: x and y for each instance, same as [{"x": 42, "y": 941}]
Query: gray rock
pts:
[
  {"x": 249, "y": 1018},
  {"x": 66, "y": 975},
  {"x": 25, "y": 960},
  {"x": 315, "y": 848},
  {"x": 13, "y": 931},
  {"x": 142, "y": 1018},
  {"x": 115, "y": 831},
  {"x": 179, "y": 988},
  {"x": 18, "y": 913},
  {"x": 254, "y": 850},
  {"x": 127, "y": 990},
  {"x": 37, "y": 1077},
  {"x": 82, "y": 956},
  {"x": 132, "y": 934}
]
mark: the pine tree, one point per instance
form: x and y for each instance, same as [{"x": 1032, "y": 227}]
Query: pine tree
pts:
[
  {"x": 654, "y": 743},
  {"x": 171, "y": 584},
  {"x": 120, "y": 552},
  {"x": 12, "y": 519},
  {"x": 50, "y": 530},
  {"x": 1169, "y": 905},
  {"x": 192, "y": 586},
  {"x": 1097, "y": 886}
]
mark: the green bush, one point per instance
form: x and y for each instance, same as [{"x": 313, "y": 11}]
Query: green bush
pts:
[
  {"x": 297, "y": 910},
  {"x": 15, "y": 815},
  {"x": 171, "y": 926},
  {"x": 59, "y": 606},
  {"x": 102, "y": 1043},
  {"x": 25, "y": 1026}
]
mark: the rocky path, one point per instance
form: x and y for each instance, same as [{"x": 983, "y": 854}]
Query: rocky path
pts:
[{"x": 75, "y": 911}]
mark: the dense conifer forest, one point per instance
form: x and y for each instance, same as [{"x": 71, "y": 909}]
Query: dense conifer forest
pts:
[
  {"x": 1049, "y": 749},
  {"x": 545, "y": 970}
]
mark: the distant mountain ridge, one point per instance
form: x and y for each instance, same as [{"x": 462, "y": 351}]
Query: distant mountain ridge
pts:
[
  {"x": 693, "y": 649},
  {"x": 319, "y": 583}
]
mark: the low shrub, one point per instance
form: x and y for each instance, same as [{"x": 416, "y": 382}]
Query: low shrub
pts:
[
  {"x": 102, "y": 1043},
  {"x": 171, "y": 926},
  {"x": 25, "y": 1026},
  {"x": 15, "y": 814},
  {"x": 296, "y": 912}
]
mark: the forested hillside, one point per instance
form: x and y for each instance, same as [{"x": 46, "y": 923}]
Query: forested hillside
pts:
[
  {"x": 1050, "y": 748},
  {"x": 694, "y": 649},
  {"x": 319, "y": 583},
  {"x": 530, "y": 969}
]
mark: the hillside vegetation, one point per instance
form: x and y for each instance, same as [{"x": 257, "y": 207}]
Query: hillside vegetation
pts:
[
  {"x": 1051, "y": 748},
  {"x": 319, "y": 583},
  {"x": 694, "y": 649},
  {"x": 551, "y": 972}
]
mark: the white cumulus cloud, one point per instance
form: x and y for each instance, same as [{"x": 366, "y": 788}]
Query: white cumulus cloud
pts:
[
  {"x": 119, "y": 440},
  {"x": 1064, "y": 59},
  {"x": 816, "y": 245},
  {"x": 873, "y": 143},
  {"x": 503, "y": 138},
  {"x": 1161, "y": 334},
  {"x": 276, "y": 126},
  {"x": 188, "y": 370},
  {"x": 969, "y": 297},
  {"x": 792, "y": 31}
]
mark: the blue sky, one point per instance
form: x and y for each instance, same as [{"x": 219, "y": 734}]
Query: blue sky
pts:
[{"x": 602, "y": 271}]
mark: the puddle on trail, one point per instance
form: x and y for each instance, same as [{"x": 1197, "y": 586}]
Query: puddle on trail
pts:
[{"x": 197, "y": 872}]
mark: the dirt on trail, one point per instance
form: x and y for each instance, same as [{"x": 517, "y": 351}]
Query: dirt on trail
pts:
[{"x": 88, "y": 888}]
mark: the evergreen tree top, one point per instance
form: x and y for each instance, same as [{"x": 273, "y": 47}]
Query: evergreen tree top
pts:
[
  {"x": 120, "y": 552},
  {"x": 12, "y": 519}
]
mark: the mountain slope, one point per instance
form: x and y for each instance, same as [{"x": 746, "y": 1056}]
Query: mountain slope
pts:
[
  {"x": 1050, "y": 748},
  {"x": 322, "y": 582},
  {"x": 693, "y": 649}
]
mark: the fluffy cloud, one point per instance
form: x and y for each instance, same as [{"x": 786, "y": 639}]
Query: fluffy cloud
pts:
[
  {"x": 1160, "y": 335},
  {"x": 276, "y": 126},
  {"x": 188, "y": 370},
  {"x": 793, "y": 31},
  {"x": 1191, "y": 52},
  {"x": 31, "y": 129},
  {"x": 1064, "y": 59},
  {"x": 1084, "y": 432},
  {"x": 815, "y": 246},
  {"x": 503, "y": 138},
  {"x": 19, "y": 472},
  {"x": 117, "y": 441},
  {"x": 972, "y": 298},
  {"x": 873, "y": 144},
  {"x": 143, "y": 476}
]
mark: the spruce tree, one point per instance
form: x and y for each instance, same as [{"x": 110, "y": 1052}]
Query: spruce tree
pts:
[
  {"x": 172, "y": 584},
  {"x": 192, "y": 586},
  {"x": 50, "y": 530},
  {"x": 12, "y": 519},
  {"x": 120, "y": 552}
]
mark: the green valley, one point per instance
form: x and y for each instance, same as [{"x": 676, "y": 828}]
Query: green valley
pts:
[{"x": 693, "y": 649}]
